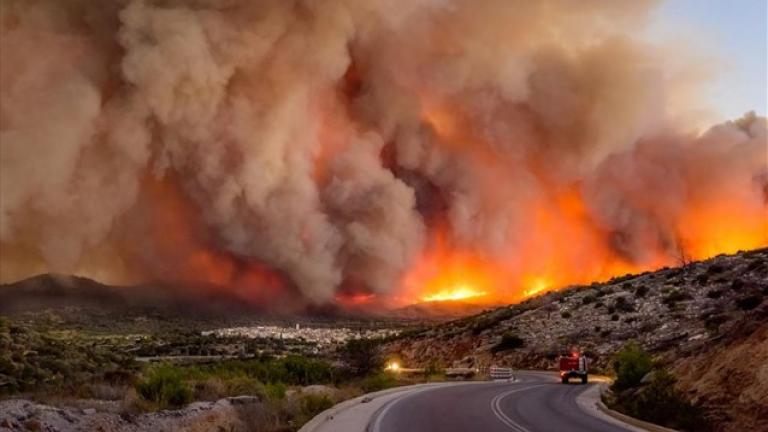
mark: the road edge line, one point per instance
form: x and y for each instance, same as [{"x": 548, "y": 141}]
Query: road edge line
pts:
[{"x": 333, "y": 411}]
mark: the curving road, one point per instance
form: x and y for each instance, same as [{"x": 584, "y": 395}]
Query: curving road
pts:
[{"x": 535, "y": 402}]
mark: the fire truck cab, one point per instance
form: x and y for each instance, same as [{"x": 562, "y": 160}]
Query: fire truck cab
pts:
[{"x": 573, "y": 366}]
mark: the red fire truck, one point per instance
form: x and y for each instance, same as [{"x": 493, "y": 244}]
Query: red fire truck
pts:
[{"x": 573, "y": 366}]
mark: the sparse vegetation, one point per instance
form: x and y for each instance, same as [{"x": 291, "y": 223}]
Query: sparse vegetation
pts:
[{"x": 43, "y": 359}]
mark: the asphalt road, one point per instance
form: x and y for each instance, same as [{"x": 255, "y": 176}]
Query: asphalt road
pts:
[{"x": 536, "y": 402}]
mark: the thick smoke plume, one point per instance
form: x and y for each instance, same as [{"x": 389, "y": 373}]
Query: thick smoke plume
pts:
[{"x": 343, "y": 150}]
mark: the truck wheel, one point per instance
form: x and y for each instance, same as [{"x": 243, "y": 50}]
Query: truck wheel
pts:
[
  {"x": 584, "y": 379},
  {"x": 565, "y": 380}
]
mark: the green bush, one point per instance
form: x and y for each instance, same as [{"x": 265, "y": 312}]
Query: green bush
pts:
[
  {"x": 275, "y": 391},
  {"x": 641, "y": 291},
  {"x": 377, "y": 382},
  {"x": 291, "y": 370},
  {"x": 243, "y": 385},
  {"x": 304, "y": 371},
  {"x": 630, "y": 364},
  {"x": 313, "y": 405},
  {"x": 165, "y": 386}
]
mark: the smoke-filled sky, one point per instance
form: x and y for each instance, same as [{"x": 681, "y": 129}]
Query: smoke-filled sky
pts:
[{"x": 350, "y": 151}]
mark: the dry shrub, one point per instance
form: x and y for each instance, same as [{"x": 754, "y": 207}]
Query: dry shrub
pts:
[
  {"x": 133, "y": 403},
  {"x": 108, "y": 392},
  {"x": 211, "y": 389},
  {"x": 259, "y": 417}
]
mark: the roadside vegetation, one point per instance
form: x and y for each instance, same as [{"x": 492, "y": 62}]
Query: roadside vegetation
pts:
[
  {"x": 50, "y": 365},
  {"x": 645, "y": 390},
  {"x": 33, "y": 359}
]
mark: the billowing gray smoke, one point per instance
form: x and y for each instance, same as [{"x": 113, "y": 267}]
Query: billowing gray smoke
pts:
[{"x": 333, "y": 141}]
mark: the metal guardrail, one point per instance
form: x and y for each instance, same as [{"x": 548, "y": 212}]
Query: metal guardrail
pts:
[{"x": 499, "y": 373}]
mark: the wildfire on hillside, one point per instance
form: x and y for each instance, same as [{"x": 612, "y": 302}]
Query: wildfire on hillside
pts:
[{"x": 362, "y": 154}]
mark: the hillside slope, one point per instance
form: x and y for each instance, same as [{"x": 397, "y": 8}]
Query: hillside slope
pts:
[
  {"x": 707, "y": 321},
  {"x": 85, "y": 298}
]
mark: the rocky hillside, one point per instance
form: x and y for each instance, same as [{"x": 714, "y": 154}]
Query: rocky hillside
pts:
[
  {"x": 24, "y": 415},
  {"x": 707, "y": 321}
]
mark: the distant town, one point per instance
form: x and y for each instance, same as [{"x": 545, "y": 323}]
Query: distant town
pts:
[{"x": 322, "y": 337}]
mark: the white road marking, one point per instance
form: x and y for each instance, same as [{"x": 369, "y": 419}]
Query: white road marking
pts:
[{"x": 496, "y": 408}]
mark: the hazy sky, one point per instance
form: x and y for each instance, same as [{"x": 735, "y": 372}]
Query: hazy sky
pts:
[{"x": 736, "y": 31}]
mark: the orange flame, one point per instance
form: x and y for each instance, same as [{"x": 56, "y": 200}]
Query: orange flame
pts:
[
  {"x": 563, "y": 247},
  {"x": 459, "y": 292}
]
